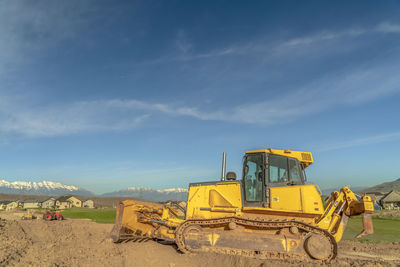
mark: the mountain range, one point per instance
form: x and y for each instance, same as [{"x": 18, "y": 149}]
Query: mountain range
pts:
[
  {"x": 49, "y": 188},
  {"x": 385, "y": 187},
  {"x": 328, "y": 191},
  {"x": 177, "y": 194}
]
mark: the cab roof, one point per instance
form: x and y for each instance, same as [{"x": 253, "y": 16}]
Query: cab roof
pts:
[{"x": 304, "y": 157}]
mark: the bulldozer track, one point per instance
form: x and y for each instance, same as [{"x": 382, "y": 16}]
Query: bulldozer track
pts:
[{"x": 261, "y": 225}]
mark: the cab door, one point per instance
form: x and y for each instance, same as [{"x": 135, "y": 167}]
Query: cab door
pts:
[
  {"x": 253, "y": 180},
  {"x": 283, "y": 183}
]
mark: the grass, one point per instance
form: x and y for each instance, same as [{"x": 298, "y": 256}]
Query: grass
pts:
[
  {"x": 97, "y": 215},
  {"x": 386, "y": 229}
]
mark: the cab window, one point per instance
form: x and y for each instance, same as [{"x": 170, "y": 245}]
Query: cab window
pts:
[
  {"x": 294, "y": 171},
  {"x": 278, "y": 169},
  {"x": 283, "y": 170},
  {"x": 253, "y": 177}
]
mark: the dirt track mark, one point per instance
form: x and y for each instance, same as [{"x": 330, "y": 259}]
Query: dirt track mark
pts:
[{"x": 368, "y": 256}]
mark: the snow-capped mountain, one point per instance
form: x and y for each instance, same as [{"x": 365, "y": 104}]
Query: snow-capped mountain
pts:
[
  {"x": 177, "y": 194},
  {"x": 41, "y": 188},
  {"x": 49, "y": 188}
]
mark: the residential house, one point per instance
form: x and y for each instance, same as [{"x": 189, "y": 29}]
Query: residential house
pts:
[
  {"x": 88, "y": 204},
  {"x": 30, "y": 204},
  {"x": 48, "y": 203},
  {"x": 8, "y": 205},
  {"x": 62, "y": 203},
  {"x": 65, "y": 202},
  {"x": 75, "y": 202},
  {"x": 12, "y": 205},
  {"x": 391, "y": 200}
]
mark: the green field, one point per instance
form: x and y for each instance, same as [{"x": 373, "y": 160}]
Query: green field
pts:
[
  {"x": 386, "y": 229},
  {"x": 97, "y": 215}
]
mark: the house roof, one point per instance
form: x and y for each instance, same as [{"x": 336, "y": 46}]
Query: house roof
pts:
[
  {"x": 65, "y": 198},
  {"x": 50, "y": 198},
  {"x": 30, "y": 201},
  {"x": 392, "y": 196},
  {"x": 377, "y": 193}
]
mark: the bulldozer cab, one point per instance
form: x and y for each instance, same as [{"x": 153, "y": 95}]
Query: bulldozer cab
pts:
[{"x": 263, "y": 170}]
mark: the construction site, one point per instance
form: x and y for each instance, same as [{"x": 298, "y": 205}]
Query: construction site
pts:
[
  {"x": 199, "y": 133},
  {"x": 78, "y": 242},
  {"x": 214, "y": 227}
]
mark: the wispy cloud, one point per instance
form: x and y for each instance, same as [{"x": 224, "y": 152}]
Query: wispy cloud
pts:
[
  {"x": 376, "y": 139},
  {"x": 66, "y": 119},
  {"x": 264, "y": 47},
  {"x": 182, "y": 43},
  {"x": 387, "y": 27},
  {"x": 384, "y": 27},
  {"x": 336, "y": 90},
  {"x": 27, "y": 28},
  {"x": 19, "y": 117},
  {"x": 324, "y": 36}
]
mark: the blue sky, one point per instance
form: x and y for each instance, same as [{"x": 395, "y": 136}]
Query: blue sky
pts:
[{"x": 110, "y": 94}]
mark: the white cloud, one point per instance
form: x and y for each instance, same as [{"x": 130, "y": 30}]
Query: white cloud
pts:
[
  {"x": 388, "y": 137},
  {"x": 332, "y": 91},
  {"x": 80, "y": 117},
  {"x": 384, "y": 27},
  {"x": 46, "y": 26},
  {"x": 387, "y": 27},
  {"x": 163, "y": 108},
  {"x": 337, "y": 89},
  {"x": 29, "y": 27},
  {"x": 182, "y": 42},
  {"x": 323, "y": 36},
  {"x": 264, "y": 47}
]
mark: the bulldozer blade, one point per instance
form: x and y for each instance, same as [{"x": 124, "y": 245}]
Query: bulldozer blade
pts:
[
  {"x": 123, "y": 230},
  {"x": 367, "y": 225},
  {"x": 117, "y": 229},
  {"x": 137, "y": 220}
]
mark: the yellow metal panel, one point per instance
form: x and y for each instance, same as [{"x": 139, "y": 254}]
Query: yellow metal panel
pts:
[
  {"x": 311, "y": 200},
  {"x": 215, "y": 200},
  {"x": 304, "y": 157},
  {"x": 286, "y": 198},
  {"x": 304, "y": 198}
]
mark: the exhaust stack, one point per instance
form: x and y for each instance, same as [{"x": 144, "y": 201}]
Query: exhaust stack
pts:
[{"x": 223, "y": 172}]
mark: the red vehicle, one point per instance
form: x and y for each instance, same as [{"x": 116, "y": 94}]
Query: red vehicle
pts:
[{"x": 49, "y": 216}]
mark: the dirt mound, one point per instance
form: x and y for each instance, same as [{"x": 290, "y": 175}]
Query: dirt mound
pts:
[
  {"x": 54, "y": 243},
  {"x": 85, "y": 243},
  {"x": 13, "y": 242}
]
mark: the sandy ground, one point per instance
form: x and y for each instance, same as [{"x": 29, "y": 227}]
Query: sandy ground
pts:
[{"x": 85, "y": 243}]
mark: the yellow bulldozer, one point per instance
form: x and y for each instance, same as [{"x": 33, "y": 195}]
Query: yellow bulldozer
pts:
[{"x": 271, "y": 213}]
